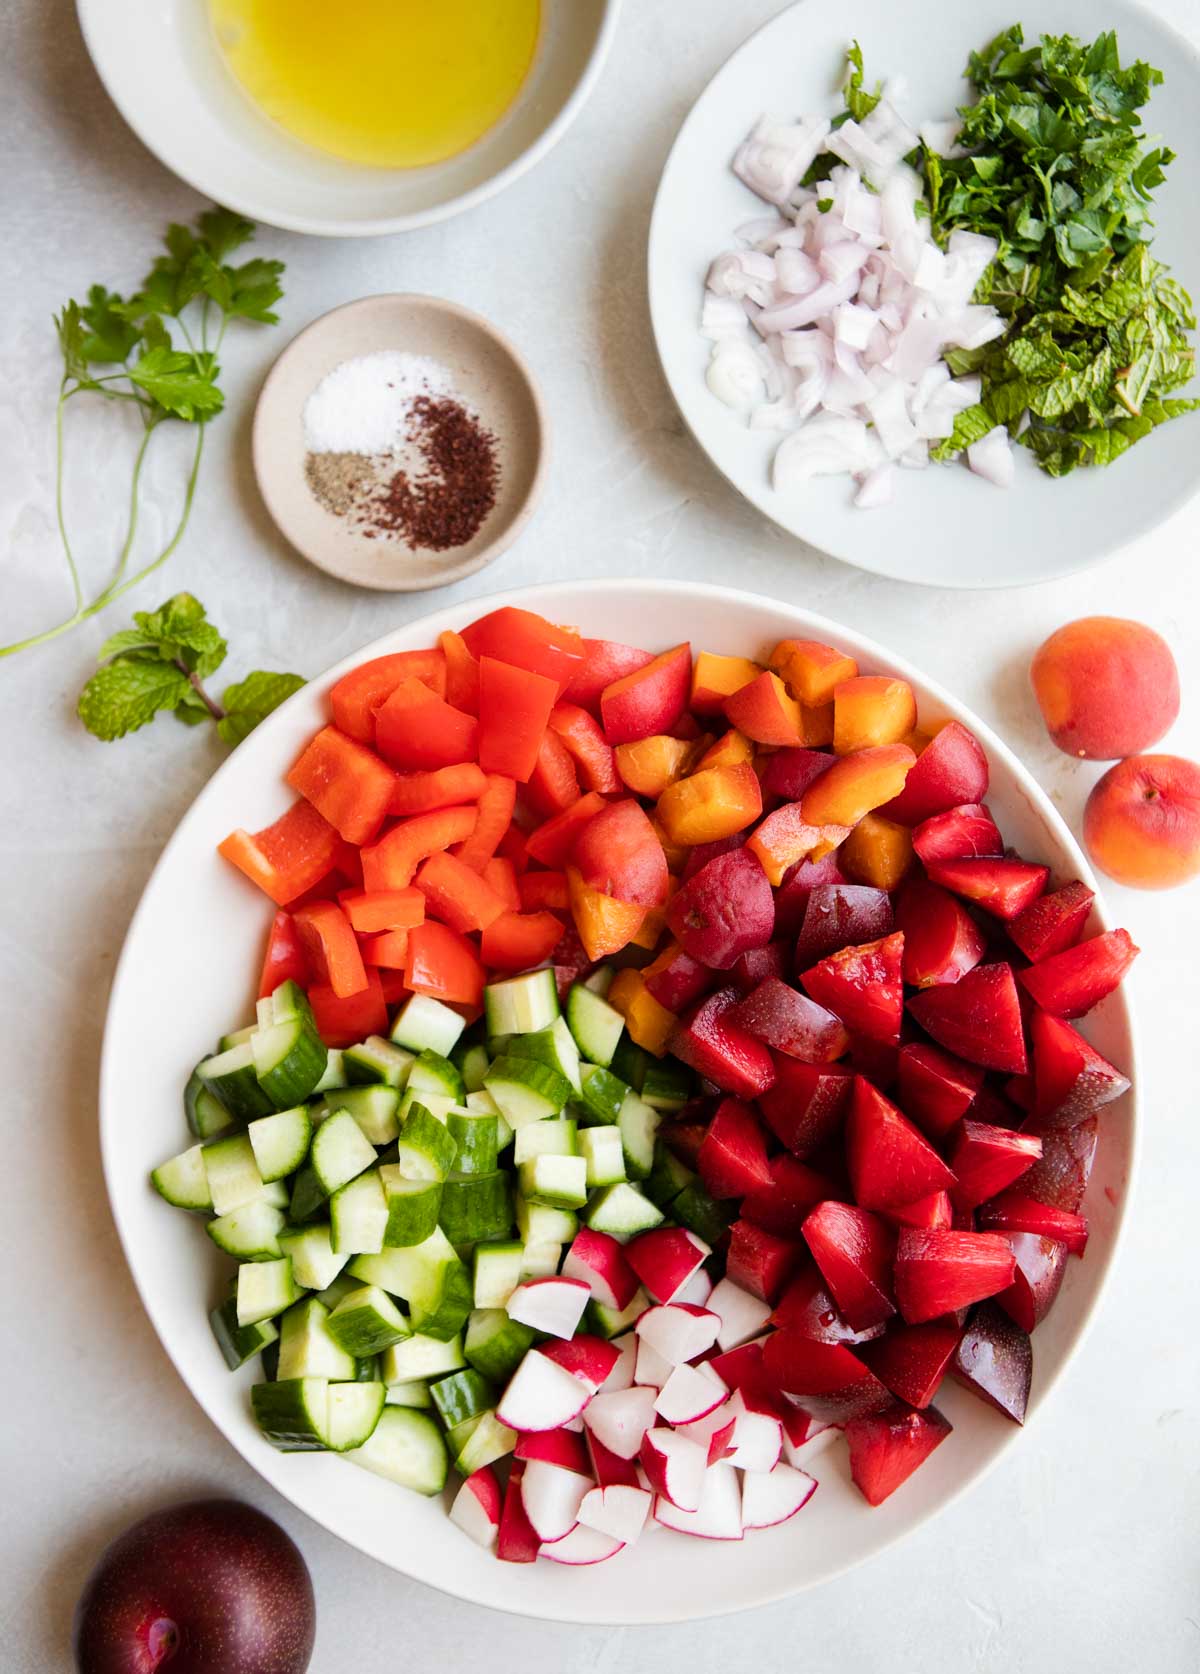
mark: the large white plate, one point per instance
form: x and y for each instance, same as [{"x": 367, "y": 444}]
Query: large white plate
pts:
[
  {"x": 187, "y": 974},
  {"x": 945, "y": 527}
]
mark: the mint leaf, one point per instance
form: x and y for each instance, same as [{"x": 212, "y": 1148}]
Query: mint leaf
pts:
[
  {"x": 178, "y": 382},
  {"x": 127, "y": 694},
  {"x": 251, "y": 700},
  {"x": 180, "y": 632}
]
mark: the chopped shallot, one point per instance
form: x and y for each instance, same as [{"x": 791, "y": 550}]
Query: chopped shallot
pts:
[{"x": 992, "y": 457}]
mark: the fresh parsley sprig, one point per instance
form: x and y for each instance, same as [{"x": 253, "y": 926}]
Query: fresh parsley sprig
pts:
[
  {"x": 126, "y": 349},
  {"x": 161, "y": 663}
]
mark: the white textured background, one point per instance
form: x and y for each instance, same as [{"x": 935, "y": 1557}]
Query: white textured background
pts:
[{"x": 1082, "y": 1552}]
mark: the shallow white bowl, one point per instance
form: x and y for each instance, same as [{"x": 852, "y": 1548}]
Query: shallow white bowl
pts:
[
  {"x": 945, "y": 527},
  {"x": 164, "y": 71},
  {"x": 187, "y": 974}
]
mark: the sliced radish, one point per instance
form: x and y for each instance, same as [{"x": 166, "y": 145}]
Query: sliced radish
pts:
[
  {"x": 581, "y": 1546},
  {"x": 675, "y": 1467},
  {"x": 770, "y": 1497},
  {"x": 477, "y": 1506},
  {"x": 742, "y": 1316},
  {"x": 818, "y": 1439},
  {"x": 651, "y": 1369},
  {"x": 688, "y": 1395},
  {"x": 575, "y": 1424},
  {"x": 609, "y": 1470},
  {"x": 618, "y": 1511},
  {"x": 757, "y": 1438},
  {"x": 599, "y": 1261},
  {"x": 517, "y": 1543},
  {"x": 621, "y": 1376},
  {"x": 678, "y": 1331},
  {"x": 541, "y": 1396},
  {"x": 719, "y": 1516},
  {"x": 588, "y": 1358},
  {"x": 665, "y": 1258},
  {"x": 564, "y": 1448},
  {"x": 697, "y": 1290},
  {"x": 554, "y": 1306},
  {"x": 552, "y": 1497},
  {"x": 705, "y": 1430},
  {"x": 620, "y": 1419}
]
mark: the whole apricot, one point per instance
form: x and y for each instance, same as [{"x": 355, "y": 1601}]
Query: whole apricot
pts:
[
  {"x": 1142, "y": 822},
  {"x": 1107, "y": 687}
]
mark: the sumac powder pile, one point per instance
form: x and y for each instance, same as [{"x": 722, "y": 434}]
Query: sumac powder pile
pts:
[{"x": 444, "y": 505}]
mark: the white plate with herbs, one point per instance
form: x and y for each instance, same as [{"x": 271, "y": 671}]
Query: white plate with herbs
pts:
[{"x": 944, "y": 525}]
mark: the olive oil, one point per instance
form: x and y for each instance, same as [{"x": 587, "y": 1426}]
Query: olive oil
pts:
[{"x": 389, "y": 83}]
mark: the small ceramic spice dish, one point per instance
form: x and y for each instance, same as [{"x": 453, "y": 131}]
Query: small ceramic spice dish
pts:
[{"x": 352, "y": 513}]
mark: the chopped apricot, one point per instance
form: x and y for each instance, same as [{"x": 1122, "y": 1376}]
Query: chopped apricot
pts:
[
  {"x": 651, "y": 764},
  {"x": 871, "y": 710},
  {"x": 715, "y": 678},
  {"x": 650, "y": 1024},
  {"x": 877, "y": 852},
  {"x": 856, "y": 784},
  {"x": 811, "y": 670},
  {"x": 711, "y": 804}
]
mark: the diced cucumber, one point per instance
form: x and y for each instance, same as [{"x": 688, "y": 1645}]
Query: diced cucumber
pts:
[
  {"x": 308, "y": 1195},
  {"x": 231, "y": 1078},
  {"x": 526, "y": 1090},
  {"x": 183, "y": 1180},
  {"x": 604, "y": 1156},
  {"x": 638, "y": 1124},
  {"x": 622, "y": 1211},
  {"x": 609, "y": 1322},
  {"x": 432, "y": 1077},
  {"x": 378, "y": 1060},
  {"x": 602, "y": 1095},
  {"x": 497, "y": 1046},
  {"x": 275, "y": 1192},
  {"x": 701, "y": 1214},
  {"x": 421, "y": 1357},
  {"x": 414, "y": 1393},
  {"x": 558, "y": 1181},
  {"x": 475, "y": 1206},
  {"x": 458, "y": 1437},
  {"x": 522, "y": 1004},
  {"x": 540, "y": 1261},
  {"x": 461, "y": 1395},
  {"x": 600, "y": 980},
  {"x": 667, "y": 1178},
  {"x": 239, "y": 1343},
  {"x": 425, "y": 1149},
  {"x": 375, "y": 1108},
  {"x": 405, "y": 1447},
  {"x": 474, "y": 1133},
  {"x": 287, "y": 1001},
  {"x": 354, "y": 1412},
  {"x": 489, "y": 1440},
  {"x": 233, "y": 1177},
  {"x": 426, "y": 1025},
  {"x": 264, "y": 1289},
  {"x": 368, "y": 1368},
  {"x": 495, "y": 1345},
  {"x": 539, "y": 1224},
  {"x": 289, "y": 1060},
  {"x": 333, "y": 1292},
  {"x": 413, "y": 1207},
  {"x": 308, "y": 1348},
  {"x": 440, "y": 1305},
  {"x": 339, "y": 1151},
  {"x": 358, "y": 1215},
  {"x": 367, "y": 1321},
  {"x": 335, "y": 1072},
  {"x": 249, "y": 1232},
  {"x": 595, "y": 1024},
  {"x": 554, "y": 1046},
  {"x": 558, "y": 1136},
  {"x": 402, "y": 1271},
  {"x": 205, "y": 1113},
  {"x": 482, "y": 1101},
  {"x": 497, "y": 1271},
  {"x": 629, "y": 1061},
  {"x": 471, "y": 1062},
  {"x": 315, "y": 1262},
  {"x": 293, "y": 1416},
  {"x": 238, "y": 1036},
  {"x": 667, "y": 1084},
  {"x": 280, "y": 1142}
]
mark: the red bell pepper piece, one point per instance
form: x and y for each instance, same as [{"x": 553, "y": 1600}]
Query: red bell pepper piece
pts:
[
  {"x": 457, "y": 895},
  {"x": 444, "y": 964},
  {"x": 392, "y": 862},
  {"x": 620, "y": 854},
  {"x": 513, "y": 847},
  {"x": 518, "y": 941},
  {"x": 358, "y": 696},
  {"x": 493, "y": 821},
  {"x": 501, "y": 874},
  {"x": 649, "y": 701},
  {"x": 583, "y": 737},
  {"x": 462, "y": 673},
  {"x": 526, "y": 641},
  {"x": 552, "y": 784},
  {"x": 444, "y": 787},
  {"x": 346, "y": 782},
  {"x": 288, "y": 858},
  {"x": 514, "y": 707},
  {"x": 371, "y": 911},
  {"x": 345, "y": 1020},
  {"x": 395, "y": 988},
  {"x": 604, "y": 660},
  {"x": 540, "y": 891},
  {"x": 553, "y": 843},
  {"x": 285, "y": 959},
  {"x": 332, "y": 947},
  {"x": 348, "y": 862},
  {"x": 417, "y": 729},
  {"x": 390, "y": 950}
]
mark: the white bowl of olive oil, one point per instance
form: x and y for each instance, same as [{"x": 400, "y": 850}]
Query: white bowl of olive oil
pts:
[{"x": 354, "y": 118}]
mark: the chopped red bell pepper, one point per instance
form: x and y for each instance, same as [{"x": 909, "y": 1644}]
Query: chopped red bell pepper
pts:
[
  {"x": 444, "y": 964},
  {"x": 332, "y": 947},
  {"x": 518, "y": 941},
  {"x": 493, "y": 819},
  {"x": 552, "y": 784},
  {"x": 544, "y": 890},
  {"x": 527, "y": 641},
  {"x": 347, "y": 860},
  {"x": 514, "y": 848},
  {"x": 583, "y": 736},
  {"x": 501, "y": 874},
  {"x": 392, "y": 862},
  {"x": 287, "y": 858},
  {"x": 357, "y": 697},
  {"x": 552, "y": 844},
  {"x": 395, "y": 987},
  {"x": 444, "y": 787},
  {"x": 345, "y": 1020},
  {"x": 514, "y": 707},
  {"x": 372, "y": 911},
  {"x": 604, "y": 660},
  {"x": 346, "y": 782},
  {"x": 389, "y": 950},
  {"x": 462, "y": 673},
  {"x": 457, "y": 895},
  {"x": 417, "y": 729},
  {"x": 285, "y": 959}
]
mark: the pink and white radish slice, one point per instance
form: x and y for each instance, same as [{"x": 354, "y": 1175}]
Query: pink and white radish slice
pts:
[
  {"x": 597, "y": 1260},
  {"x": 688, "y": 1395},
  {"x": 552, "y": 1497},
  {"x": 581, "y": 1546},
  {"x": 588, "y": 1358},
  {"x": 742, "y": 1316},
  {"x": 719, "y": 1514},
  {"x": 618, "y": 1511},
  {"x": 554, "y": 1306},
  {"x": 675, "y": 1466},
  {"x": 619, "y": 1420},
  {"x": 477, "y": 1506},
  {"x": 541, "y": 1396},
  {"x": 771, "y": 1497},
  {"x": 678, "y": 1331},
  {"x": 665, "y": 1258}
]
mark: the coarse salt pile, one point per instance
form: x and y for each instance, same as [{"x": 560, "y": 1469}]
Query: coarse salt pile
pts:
[
  {"x": 363, "y": 405},
  {"x": 830, "y": 319}
]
